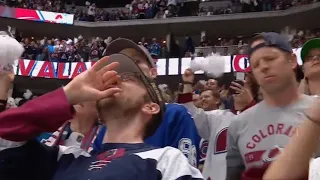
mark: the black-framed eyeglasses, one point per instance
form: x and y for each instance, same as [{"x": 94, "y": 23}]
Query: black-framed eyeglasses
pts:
[{"x": 137, "y": 77}]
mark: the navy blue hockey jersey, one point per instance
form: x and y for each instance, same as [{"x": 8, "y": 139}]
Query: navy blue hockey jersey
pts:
[
  {"x": 112, "y": 162},
  {"x": 177, "y": 130},
  {"x": 24, "y": 158}
]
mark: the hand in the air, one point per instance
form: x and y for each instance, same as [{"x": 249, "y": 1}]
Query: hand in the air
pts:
[
  {"x": 188, "y": 76},
  {"x": 243, "y": 94},
  {"x": 94, "y": 84}
]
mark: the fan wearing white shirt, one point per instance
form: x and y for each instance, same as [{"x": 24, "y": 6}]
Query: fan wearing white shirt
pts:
[{"x": 212, "y": 123}]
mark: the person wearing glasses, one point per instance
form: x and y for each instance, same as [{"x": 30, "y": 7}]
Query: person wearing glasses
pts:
[
  {"x": 310, "y": 55},
  {"x": 128, "y": 103}
]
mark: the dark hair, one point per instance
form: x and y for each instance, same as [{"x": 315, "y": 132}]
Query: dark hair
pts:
[{"x": 153, "y": 124}]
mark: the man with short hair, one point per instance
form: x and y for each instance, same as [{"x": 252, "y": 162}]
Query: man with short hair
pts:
[
  {"x": 310, "y": 55},
  {"x": 256, "y": 136},
  {"x": 210, "y": 100},
  {"x": 177, "y": 128},
  {"x": 212, "y": 84},
  {"x": 212, "y": 125},
  {"x": 131, "y": 116}
]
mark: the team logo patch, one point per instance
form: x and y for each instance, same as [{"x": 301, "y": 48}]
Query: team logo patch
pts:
[
  {"x": 106, "y": 158},
  {"x": 266, "y": 156}
]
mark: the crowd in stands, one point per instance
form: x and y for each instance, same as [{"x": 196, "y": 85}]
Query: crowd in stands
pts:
[
  {"x": 81, "y": 49},
  {"x": 238, "y": 45},
  {"x": 73, "y": 50},
  {"x": 243, "y": 6},
  {"x": 148, "y": 9}
]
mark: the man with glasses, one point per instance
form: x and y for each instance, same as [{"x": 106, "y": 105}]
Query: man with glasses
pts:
[
  {"x": 177, "y": 129},
  {"x": 310, "y": 55},
  {"x": 128, "y": 103}
]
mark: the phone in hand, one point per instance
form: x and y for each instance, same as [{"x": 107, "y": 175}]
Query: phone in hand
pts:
[{"x": 239, "y": 78}]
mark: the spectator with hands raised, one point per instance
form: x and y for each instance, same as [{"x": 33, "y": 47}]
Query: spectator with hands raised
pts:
[
  {"x": 212, "y": 124},
  {"x": 242, "y": 96}
]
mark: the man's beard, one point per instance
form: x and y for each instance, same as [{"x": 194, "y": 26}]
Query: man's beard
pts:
[{"x": 118, "y": 108}]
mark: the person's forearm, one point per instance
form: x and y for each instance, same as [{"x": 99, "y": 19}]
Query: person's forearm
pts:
[
  {"x": 293, "y": 163},
  {"x": 200, "y": 118},
  {"x": 43, "y": 114},
  {"x": 187, "y": 88},
  {"x": 70, "y": 95}
]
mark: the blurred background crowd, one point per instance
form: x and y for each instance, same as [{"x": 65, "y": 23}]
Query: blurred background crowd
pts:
[
  {"x": 148, "y": 9},
  {"x": 79, "y": 49}
]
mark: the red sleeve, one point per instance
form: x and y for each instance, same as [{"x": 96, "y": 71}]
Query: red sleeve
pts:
[
  {"x": 42, "y": 114},
  {"x": 184, "y": 98}
]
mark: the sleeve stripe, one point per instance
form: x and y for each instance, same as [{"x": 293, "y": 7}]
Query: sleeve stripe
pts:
[{"x": 6, "y": 144}]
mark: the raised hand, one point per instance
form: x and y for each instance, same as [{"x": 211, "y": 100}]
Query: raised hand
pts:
[
  {"x": 243, "y": 94},
  {"x": 188, "y": 76},
  {"x": 94, "y": 84}
]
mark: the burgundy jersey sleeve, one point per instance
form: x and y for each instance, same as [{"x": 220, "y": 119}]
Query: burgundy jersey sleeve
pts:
[{"x": 42, "y": 114}]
